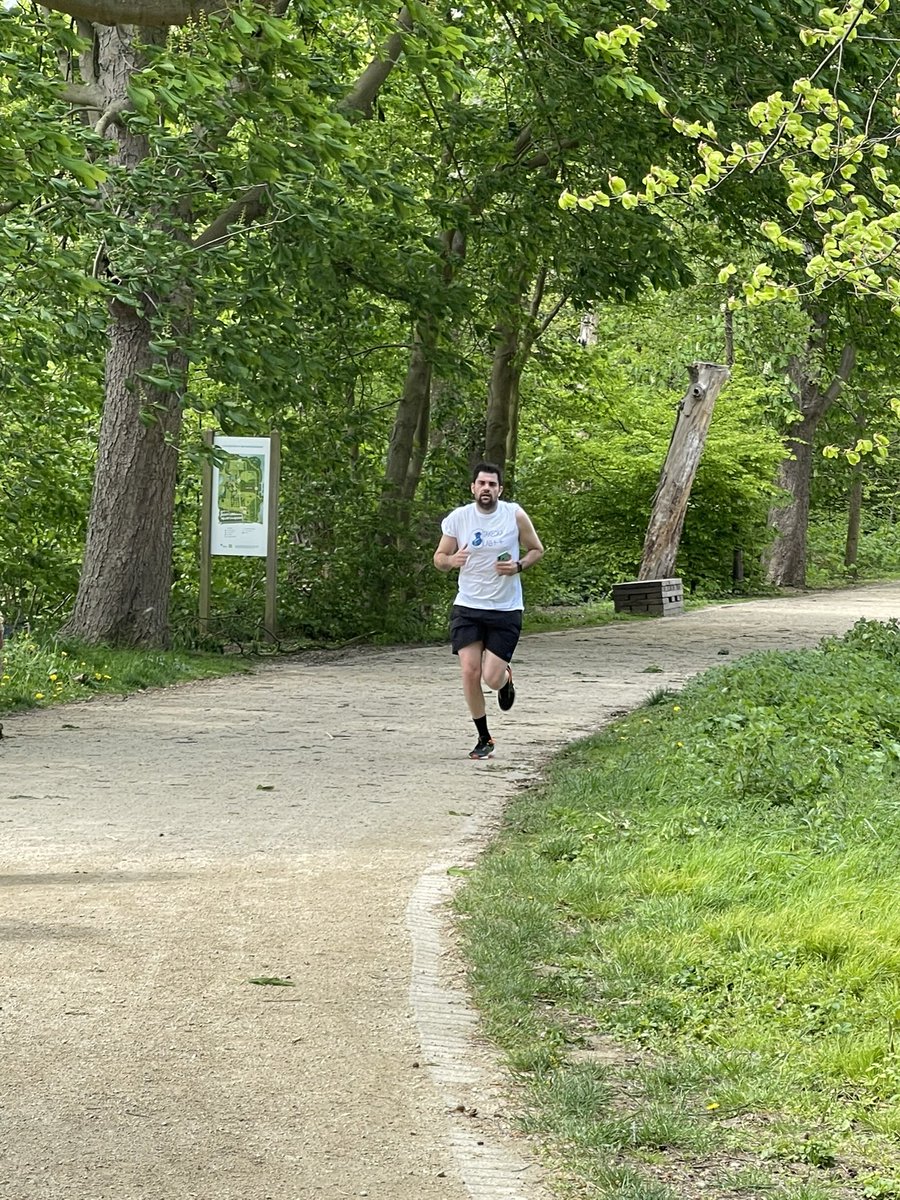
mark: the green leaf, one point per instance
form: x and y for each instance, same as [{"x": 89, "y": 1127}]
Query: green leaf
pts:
[{"x": 241, "y": 23}]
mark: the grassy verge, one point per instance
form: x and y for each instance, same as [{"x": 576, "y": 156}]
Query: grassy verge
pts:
[
  {"x": 688, "y": 942},
  {"x": 36, "y": 674},
  {"x": 549, "y": 618}
]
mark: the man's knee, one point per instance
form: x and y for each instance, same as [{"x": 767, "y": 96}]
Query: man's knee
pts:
[
  {"x": 470, "y": 665},
  {"x": 494, "y": 673}
]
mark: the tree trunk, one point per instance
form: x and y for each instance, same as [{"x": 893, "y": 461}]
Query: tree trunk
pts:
[
  {"x": 126, "y": 577},
  {"x": 517, "y": 339},
  {"x": 785, "y": 560},
  {"x": 854, "y": 519},
  {"x": 676, "y": 480},
  {"x": 512, "y": 437},
  {"x": 854, "y": 511},
  {"x": 410, "y": 421},
  {"x": 504, "y": 381},
  {"x": 729, "y": 335},
  {"x": 123, "y": 592},
  {"x": 533, "y": 330},
  {"x": 409, "y": 442},
  {"x": 419, "y": 448}
]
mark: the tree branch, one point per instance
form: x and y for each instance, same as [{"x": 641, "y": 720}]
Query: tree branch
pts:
[
  {"x": 847, "y": 363},
  {"x": 113, "y": 114},
  {"x": 249, "y": 205},
  {"x": 82, "y": 95},
  {"x": 135, "y": 12},
  {"x": 147, "y": 13},
  {"x": 537, "y": 298},
  {"x": 362, "y": 95},
  {"x": 543, "y": 159},
  {"x": 523, "y": 142},
  {"x": 551, "y": 316},
  {"x": 359, "y": 99}
]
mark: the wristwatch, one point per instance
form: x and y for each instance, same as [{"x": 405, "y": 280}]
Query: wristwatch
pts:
[{"x": 519, "y": 566}]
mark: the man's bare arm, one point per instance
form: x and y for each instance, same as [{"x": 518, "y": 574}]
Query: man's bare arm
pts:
[
  {"x": 528, "y": 541},
  {"x": 449, "y": 556}
]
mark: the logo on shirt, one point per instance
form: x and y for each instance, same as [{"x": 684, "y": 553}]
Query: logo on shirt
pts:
[{"x": 477, "y": 539}]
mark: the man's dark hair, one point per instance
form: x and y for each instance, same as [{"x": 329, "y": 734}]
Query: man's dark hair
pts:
[{"x": 488, "y": 468}]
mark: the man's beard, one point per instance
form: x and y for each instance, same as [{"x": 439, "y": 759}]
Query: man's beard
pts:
[{"x": 487, "y": 505}]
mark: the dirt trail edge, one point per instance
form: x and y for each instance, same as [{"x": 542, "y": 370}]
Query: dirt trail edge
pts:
[{"x": 160, "y": 854}]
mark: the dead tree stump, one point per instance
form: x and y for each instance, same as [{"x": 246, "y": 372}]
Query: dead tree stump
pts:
[{"x": 676, "y": 479}]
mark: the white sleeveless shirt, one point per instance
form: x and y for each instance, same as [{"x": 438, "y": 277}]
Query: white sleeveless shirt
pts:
[{"x": 486, "y": 536}]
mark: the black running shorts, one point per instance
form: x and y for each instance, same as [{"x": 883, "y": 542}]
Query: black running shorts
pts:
[{"x": 499, "y": 631}]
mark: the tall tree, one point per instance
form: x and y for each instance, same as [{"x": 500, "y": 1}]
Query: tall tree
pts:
[
  {"x": 813, "y": 396},
  {"x": 192, "y": 136}
]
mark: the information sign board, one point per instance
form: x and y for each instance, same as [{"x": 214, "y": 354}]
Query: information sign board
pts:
[{"x": 240, "y": 497}]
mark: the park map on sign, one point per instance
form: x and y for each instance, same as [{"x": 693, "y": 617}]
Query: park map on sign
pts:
[{"x": 241, "y": 489}]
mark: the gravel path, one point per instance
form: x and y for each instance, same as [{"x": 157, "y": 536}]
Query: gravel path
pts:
[{"x": 159, "y": 853}]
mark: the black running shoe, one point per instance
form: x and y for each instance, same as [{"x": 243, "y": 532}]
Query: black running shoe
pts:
[
  {"x": 506, "y": 697},
  {"x": 483, "y": 749}
]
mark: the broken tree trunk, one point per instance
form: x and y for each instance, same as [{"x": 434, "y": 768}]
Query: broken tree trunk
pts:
[{"x": 670, "y": 501}]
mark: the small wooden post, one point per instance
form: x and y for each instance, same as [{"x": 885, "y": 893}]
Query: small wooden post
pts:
[
  {"x": 271, "y": 626},
  {"x": 677, "y": 477},
  {"x": 206, "y": 534}
]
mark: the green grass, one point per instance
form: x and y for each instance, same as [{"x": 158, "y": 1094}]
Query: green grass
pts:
[
  {"x": 712, "y": 888},
  {"x": 549, "y": 618},
  {"x": 39, "y": 673},
  {"x": 567, "y": 616}
]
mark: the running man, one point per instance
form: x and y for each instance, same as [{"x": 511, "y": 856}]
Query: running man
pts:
[{"x": 484, "y": 541}]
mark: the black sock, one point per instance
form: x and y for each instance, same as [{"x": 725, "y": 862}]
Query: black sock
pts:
[{"x": 481, "y": 726}]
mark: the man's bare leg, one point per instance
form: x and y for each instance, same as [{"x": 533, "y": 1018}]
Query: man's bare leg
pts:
[
  {"x": 494, "y": 670},
  {"x": 471, "y": 665}
]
